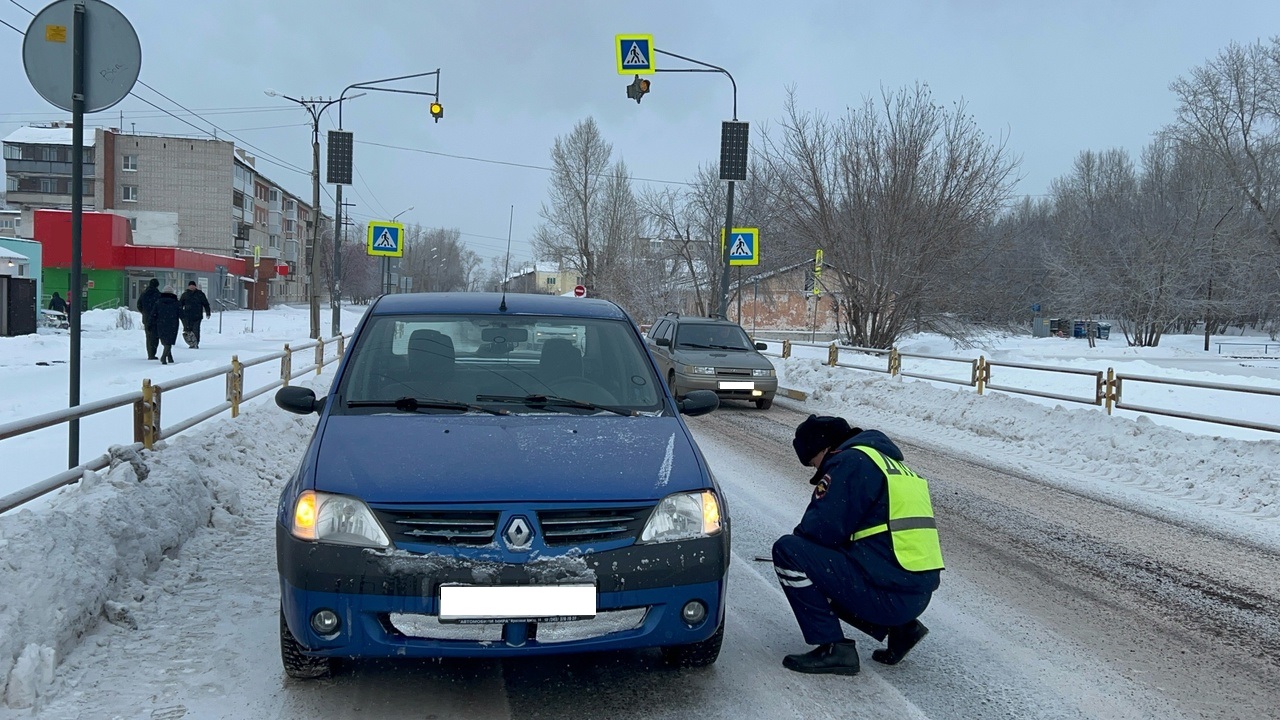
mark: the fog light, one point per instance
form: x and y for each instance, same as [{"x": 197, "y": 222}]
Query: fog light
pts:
[
  {"x": 694, "y": 612},
  {"x": 757, "y": 393},
  {"x": 324, "y": 622}
]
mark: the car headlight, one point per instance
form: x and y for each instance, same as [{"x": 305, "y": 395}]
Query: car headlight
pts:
[
  {"x": 768, "y": 372},
  {"x": 337, "y": 519},
  {"x": 699, "y": 370},
  {"x": 683, "y": 516}
]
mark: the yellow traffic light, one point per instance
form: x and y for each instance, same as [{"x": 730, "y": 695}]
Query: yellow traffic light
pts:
[{"x": 437, "y": 111}]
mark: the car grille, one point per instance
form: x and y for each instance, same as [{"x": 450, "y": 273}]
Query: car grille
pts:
[
  {"x": 570, "y": 527},
  {"x": 733, "y": 372},
  {"x": 439, "y": 527}
]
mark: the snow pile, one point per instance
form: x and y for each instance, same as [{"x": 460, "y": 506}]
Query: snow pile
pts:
[
  {"x": 1228, "y": 484},
  {"x": 84, "y": 555}
]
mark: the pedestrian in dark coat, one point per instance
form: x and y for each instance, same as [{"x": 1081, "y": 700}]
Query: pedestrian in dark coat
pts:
[
  {"x": 865, "y": 552},
  {"x": 164, "y": 322},
  {"x": 147, "y": 305},
  {"x": 57, "y": 304},
  {"x": 195, "y": 306}
]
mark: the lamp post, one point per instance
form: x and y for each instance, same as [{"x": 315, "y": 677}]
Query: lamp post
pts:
[
  {"x": 316, "y": 107},
  {"x": 386, "y": 261}
]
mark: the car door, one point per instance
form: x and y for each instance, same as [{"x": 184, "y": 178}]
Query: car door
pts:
[{"x": 662, "y": 328}]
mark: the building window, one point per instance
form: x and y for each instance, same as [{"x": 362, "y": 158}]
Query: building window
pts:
[
  {"x": 275, "y": 195},
  {"x": 48, "y": 185},
  {"x": 130, "y": 163},
  {"x": 288, "y": 226},
  {"x": 49, "y": 154},
  {"x": 129, "y": 193},
  {"x": 12, "y": 152},
  {"x": 10, "y": 183},
  {"x": 551, "y": 281},
  {"x": 133, "y": 224}
]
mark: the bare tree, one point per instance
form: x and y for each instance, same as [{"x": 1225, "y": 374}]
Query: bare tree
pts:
[
  {"x": 896, "y": 193},
  {"x": 578, "y": 189},
  {"x": 1230, "y": 107}
]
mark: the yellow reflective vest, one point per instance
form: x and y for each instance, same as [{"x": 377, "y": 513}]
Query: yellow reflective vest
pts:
[{"x": 911, "y": 525}]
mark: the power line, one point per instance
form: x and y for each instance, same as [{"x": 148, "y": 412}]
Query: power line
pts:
[
  {"x": 509, "y": 163},
  {"x": 24, "y": 9},
  {"x": 2, "y": 22}
]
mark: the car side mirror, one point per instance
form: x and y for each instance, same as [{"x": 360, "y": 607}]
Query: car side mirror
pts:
[
  {"x": 698, "y": 402},
  {"x": 663, "y": 342},
  {"x": 762, "y": 346},
  {"x": 298, "y": 400}
]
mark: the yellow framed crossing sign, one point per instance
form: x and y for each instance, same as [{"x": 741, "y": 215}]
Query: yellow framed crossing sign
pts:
[
  {"x": 386, "y": 239},
  {"x": 635, "y": 54},
  {"x": 744, "y": 246}
]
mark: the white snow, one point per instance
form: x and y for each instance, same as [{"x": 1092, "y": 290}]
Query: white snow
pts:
[
  {"x": 47, "y": 136},
  {"x": 103, "y": 548},
  {"x": 1216, "y": 476}
]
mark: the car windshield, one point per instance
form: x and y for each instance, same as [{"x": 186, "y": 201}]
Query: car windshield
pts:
[
  {"x": 712, "y": 336},
  {"x": 519, "y": 364}
]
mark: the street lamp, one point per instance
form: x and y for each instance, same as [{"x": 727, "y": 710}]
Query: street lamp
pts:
[
  {"x": 316, "y": 107},
  {"x": 393, "y": 217}
]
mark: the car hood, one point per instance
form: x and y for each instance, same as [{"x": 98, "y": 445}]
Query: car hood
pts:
[
  {"x": 723, "y": 358},
  {"x": 398, "y": 458}
]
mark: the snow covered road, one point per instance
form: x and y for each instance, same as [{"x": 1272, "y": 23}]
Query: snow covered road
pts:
[{"x": 1054, "y": 605}]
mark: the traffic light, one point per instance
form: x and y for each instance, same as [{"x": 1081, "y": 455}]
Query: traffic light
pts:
[
  {"x": 437, "y": 111},
  {"x": 637, "y": 89}
]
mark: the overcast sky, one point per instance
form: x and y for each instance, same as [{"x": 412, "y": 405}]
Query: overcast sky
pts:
[{"x": 1054, "y": 78}]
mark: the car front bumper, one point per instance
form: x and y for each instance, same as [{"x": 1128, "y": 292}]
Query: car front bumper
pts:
[
  {"x": 388, "y": 603},
  {"x": 767, "y": 387}
]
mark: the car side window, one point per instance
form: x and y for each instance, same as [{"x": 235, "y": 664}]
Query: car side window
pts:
[
  {"x": 656, "y": 331},
  {"x": 668, "y": 331}
]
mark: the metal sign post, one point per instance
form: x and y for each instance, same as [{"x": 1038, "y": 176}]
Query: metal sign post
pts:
[{"x": 91, "y": 73}]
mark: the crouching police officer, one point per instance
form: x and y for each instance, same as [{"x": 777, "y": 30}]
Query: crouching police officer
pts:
[{"x": 865, "y": 552}]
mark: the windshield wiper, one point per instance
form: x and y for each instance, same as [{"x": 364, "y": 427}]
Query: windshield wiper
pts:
[
  {"x": 536, "y": 400},
  {"x": 710, "y": 347},
  {"x": 726, "y": 347},
  {"x": 412, "y": 404}
]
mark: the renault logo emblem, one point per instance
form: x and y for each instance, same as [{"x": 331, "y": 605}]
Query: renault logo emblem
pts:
[{"x": 518, "y": 534}]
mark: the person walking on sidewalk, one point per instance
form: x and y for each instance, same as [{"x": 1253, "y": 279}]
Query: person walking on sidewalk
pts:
[
  {"x": 147, "y": 306},
  {"x": 195, "y": 306},
  {"x": 865, "y": 552},
  {"x": 164, "y": 322}
]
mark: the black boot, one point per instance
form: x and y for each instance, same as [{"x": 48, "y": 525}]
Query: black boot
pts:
[
  {"x": 832, "y": 658},
  {"x": 901, "y": 640}
]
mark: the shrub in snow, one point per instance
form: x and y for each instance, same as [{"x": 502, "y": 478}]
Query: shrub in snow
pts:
[{"x": 124, "y": 318}]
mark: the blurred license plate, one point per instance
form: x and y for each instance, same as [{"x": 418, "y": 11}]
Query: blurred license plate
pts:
[
  {"x": 472, "y": 604},
  {"x": 737, "y": 385}
]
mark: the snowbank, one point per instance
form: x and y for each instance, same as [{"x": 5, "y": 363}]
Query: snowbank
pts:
[
  {"x": 82, "y": 556},
  {"x": 1226, "y": 484}
]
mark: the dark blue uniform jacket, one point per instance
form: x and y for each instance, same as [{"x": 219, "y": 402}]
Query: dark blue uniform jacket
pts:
[{"x": 852, "y": 495}]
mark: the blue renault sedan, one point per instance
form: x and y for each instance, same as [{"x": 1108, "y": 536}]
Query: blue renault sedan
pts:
[{"x": 499, "y": 476}]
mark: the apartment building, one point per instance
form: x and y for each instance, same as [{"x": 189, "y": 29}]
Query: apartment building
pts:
[{"x": 197, "y": 194}]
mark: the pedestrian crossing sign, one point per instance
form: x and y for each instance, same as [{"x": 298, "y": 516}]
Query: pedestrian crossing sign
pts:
[
  {"x": 744, "y": 246},
  {"x": 386, "y": 239},
  {"x": 635, "y": 54}
]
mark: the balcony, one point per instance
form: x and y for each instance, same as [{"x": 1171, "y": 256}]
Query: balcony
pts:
[{"x": 290, "y": 251}]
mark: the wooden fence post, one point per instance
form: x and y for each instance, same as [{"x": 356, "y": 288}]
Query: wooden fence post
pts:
[
  {"x": 144, "y": 425},
  {"x": 286, "y": 365},
  {"x": 235, "y": 385},
  {"x": 786, "y": 349},
  {"x": 895, "y": 361},
  {"x": 342, "y": 346},
  {"x": 1112, "y": 390},
  {"x": 319, "y": 355},
  {"x": 833, "y": 354},
  {"x": 980, "y": 370}
]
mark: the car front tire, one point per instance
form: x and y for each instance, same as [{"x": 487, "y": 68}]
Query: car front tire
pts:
[
  {"x": 699, "y": 654},
  {"x": 765, "y": 403},
  {"x": 297, "y": 664}
]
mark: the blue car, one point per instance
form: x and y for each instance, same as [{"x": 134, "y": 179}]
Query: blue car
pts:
[{"x": 498, "y": 476}]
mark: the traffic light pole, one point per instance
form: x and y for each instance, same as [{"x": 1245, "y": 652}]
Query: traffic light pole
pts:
[{"x": 723, "y": 310}]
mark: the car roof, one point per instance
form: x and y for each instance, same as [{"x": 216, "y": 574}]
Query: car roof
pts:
[
  {"x": 468, "y": 303},
  {"x": 703, "y": 320}
]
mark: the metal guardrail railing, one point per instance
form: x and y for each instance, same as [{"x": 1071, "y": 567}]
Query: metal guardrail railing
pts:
[
  {"x": 1108, "y": 386},
  {"x": 147, "y": 414}
]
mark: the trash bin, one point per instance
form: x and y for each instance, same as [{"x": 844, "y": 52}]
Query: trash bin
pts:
[
  {"x": 1104, "y": 331},
  {"x": 1078, "y": 329}
]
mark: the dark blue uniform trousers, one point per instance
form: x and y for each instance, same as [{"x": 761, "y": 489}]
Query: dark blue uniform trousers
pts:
[{"x": 824, "y": 586}]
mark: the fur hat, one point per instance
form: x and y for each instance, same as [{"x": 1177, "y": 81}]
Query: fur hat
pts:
[
  {"x": 168, "y": 289},
  {"x": 818, "y": 433}
]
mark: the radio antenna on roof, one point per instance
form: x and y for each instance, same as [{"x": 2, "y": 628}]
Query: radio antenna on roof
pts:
[{"x": 506, "y": 270}]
